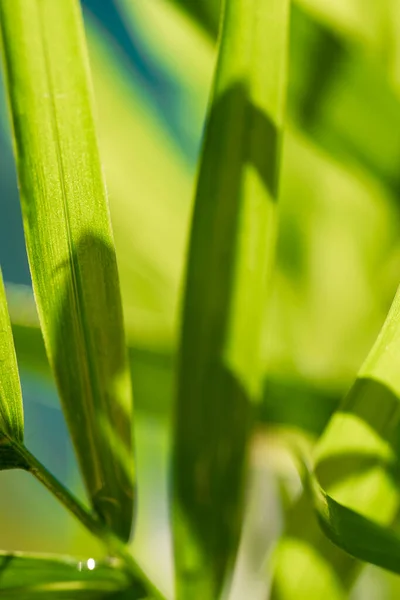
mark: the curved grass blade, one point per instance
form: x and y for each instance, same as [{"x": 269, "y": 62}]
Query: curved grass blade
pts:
[
  {"x": 355, "y": 487},
  {"x": 354, "y": 533},
  {"x": 231, "y": 248},
  {"x": 36, "y": 576},
  {"x": 69, "y": 242}
]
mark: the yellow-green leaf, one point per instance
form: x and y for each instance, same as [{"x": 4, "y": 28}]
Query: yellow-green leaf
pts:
[
  {"x": 230, "y": 253},
  {"x": 69, "y": 242}
]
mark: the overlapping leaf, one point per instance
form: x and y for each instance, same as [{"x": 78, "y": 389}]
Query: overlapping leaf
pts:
[
  {"x": 232, "y": 239},
  {"x": 69, "y": 242},
  {"x": 326, "y": 97},
  {"x": 11, "y": 408}
]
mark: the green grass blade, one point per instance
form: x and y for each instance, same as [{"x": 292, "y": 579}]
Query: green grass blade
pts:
[
  {"x": 231, "y": 247},
  {"x": 69, "y": 242},
  {"x": 354, "y": 533},
  {"x": 355, "y": 489},
  {"x": 326, "y": 97},
  {"x": 205, "y": 13},
  {"x": 46, "y": 576},
  {"x": 11, "y": 408}
]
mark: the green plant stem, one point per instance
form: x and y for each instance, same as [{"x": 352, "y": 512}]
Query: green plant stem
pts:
[{"x": 89, "y": 520}]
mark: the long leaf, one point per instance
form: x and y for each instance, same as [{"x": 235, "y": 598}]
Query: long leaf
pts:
[
  {"x": 11, "y": 407},
  {"x": 355, "y": 487},
  {"x": 231, "y": 247},
  {"x": 69, "y": 242},
  {"x": 46, "y": 576},
  {"x": 371, "y": 415}
]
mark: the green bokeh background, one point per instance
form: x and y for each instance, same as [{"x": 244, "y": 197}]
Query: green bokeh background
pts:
[{"x": 337, "y": 265}]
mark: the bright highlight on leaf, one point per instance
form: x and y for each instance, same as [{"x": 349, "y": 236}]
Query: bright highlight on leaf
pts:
[
  {"x": 70, "y": 244},
  {"x": 230, "y": 255},
  {"x": 354, "y": 533}
]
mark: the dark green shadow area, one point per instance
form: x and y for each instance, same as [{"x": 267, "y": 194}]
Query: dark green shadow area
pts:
[
  {"x": 10, "y": 457},
  {"x": 89, "y": 361},
  {"x": 152, "y": 370},
  {"x": 311, "y": 81},
  {"x": 214, "y": 410},
  {"x": 335, "y": 88},
  {"x": 297, "y": 403}
]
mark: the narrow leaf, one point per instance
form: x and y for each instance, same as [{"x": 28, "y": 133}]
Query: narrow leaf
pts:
[
  {"x": 231, "y": 247},
  {"x": 205, "y": 13},
  {"x": 354, "y": 533},
  {"x": 11, "y": 409},
  {"x": 69, "y": 242},
  {"x": 355, "y": 487},
  {"x": 36, "y": 576},
  {"x": 326, "y": 96}
]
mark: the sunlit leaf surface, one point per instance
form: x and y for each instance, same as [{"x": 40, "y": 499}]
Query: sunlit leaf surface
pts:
[
  {"x": 70, "y": 244},
  {"x": 355, "y": 487}
]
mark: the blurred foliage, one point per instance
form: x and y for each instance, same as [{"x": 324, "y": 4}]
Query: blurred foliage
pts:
[{"x": 338, "y": 256}]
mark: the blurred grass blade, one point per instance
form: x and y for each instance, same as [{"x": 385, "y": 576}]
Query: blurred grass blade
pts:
[
  {"x": 231, "y": 248},
  {"x": 326, "y": 97},
  {"x": 69, "y": 242},
  {"x": 11, "y": 408},
  {"x": 356, "y": 465},
  {"x": 46, "y": 576},
  {"x": 205, "y": 13},
  {"x": 368, "y": 421}
]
